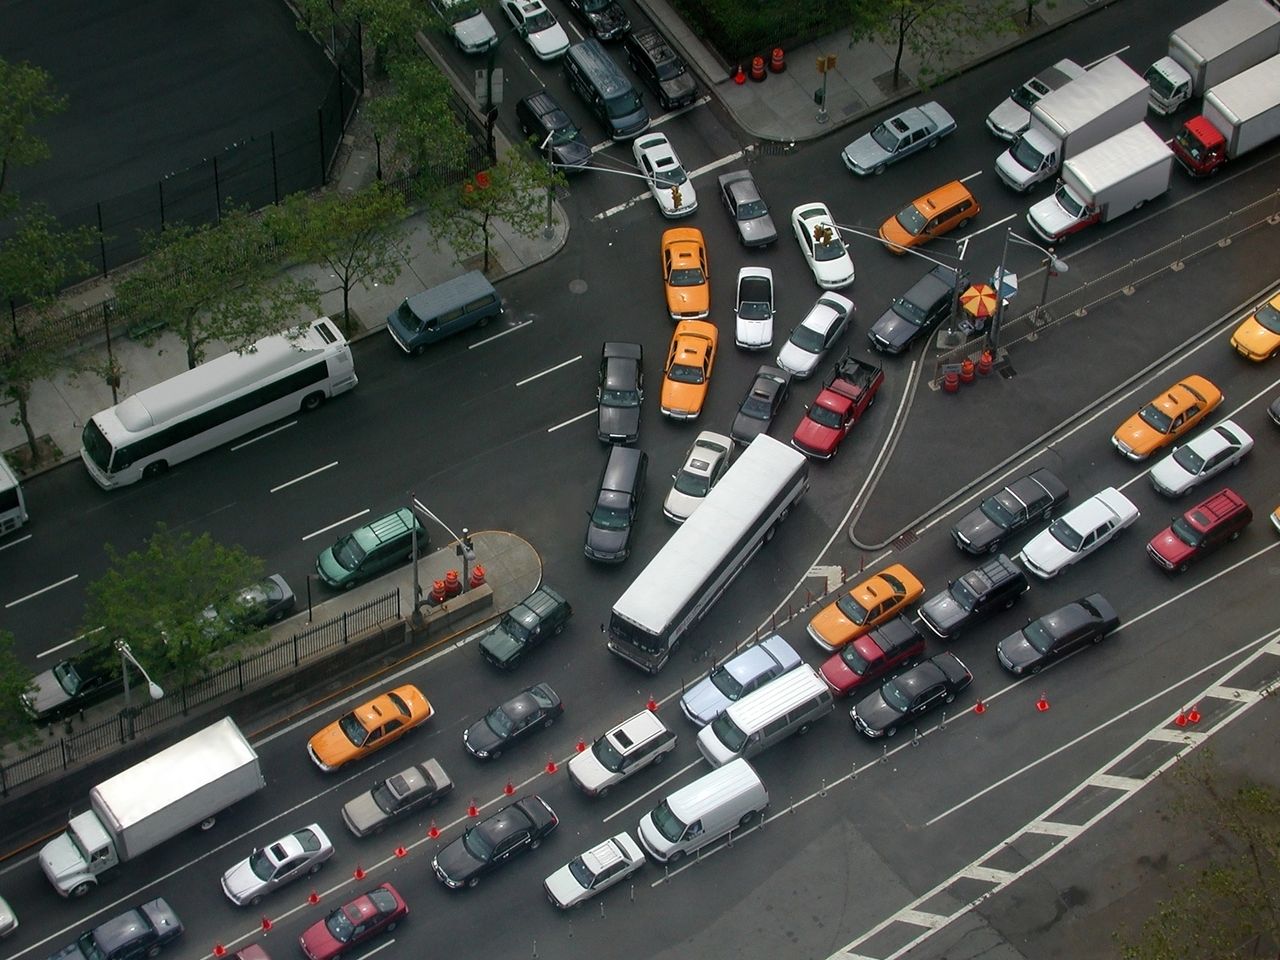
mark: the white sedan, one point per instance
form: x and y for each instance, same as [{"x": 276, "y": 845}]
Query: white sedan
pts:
[
  {"x": 1201, "y": 458},
  {"x": 703, "y": 467},
  {"x": 813, "y": 336},
  {"x": 1078, "y": 532},
  {"x": 539, "y": 27},
  {"x": 660, "y": 166},
  {"x": 598, "y": 869},
  {"x": 753, "y": 319},
  {"x": 820, "y": 242},
  {"x": 301, "y": 852}
]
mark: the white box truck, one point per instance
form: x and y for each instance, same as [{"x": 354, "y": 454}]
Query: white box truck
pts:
[
  {"x": 1118, "y": 175},
  {"x": 153, "y": 801},
  {"x": 1109, "y": 98},
  {"x": 1239, "y": 114},
  {"x": 1228, "y": 39}
]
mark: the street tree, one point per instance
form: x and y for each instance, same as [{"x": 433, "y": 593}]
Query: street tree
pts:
[
  {"x": 359, "y": 236},
  {"x": 932, "y": 30},
  {"x": 1227, "y": 908},
  {"x": 514, "y": 190},
  {"x": 16, "y": 725},
  {"x": 36, "y": 260},
  {"x": 27, "y": 99},
  {"x": 415, "y": 119},
  {"x": 154, "y": 599},
  {"x": 216, "y": 282},
  {"x": 388, "y": 26}
]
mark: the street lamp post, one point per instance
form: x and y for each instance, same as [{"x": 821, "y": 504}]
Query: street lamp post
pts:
[
  {"x": 126, "y": 658},
  {"x": 551, "y": 164},
  {"x": 1052, "y": 265},
  {"x": 464, "y": 548}
]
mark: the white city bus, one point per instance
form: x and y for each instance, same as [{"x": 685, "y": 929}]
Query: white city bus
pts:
[
  {"x": 13, "y": 509},
  {"x": 218, "y": 401},
  {"x": 694, "y": 567}
]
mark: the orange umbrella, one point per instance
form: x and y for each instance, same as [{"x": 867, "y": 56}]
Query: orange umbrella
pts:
[{"x": 979, "y": 300}]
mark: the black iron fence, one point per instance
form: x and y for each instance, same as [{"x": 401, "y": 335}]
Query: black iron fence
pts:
[{"x": 279, "y": 658}]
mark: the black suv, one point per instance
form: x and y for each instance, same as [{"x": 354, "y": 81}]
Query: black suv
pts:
[
  {"x": 614, "y": 514},
  {"x": 605, "y": 18},
  {"x": 917, "y": 311},
  {"x": 137, "y": 933},
  {"x": 661, "y": 68},
  {"x": 620, "y": 392},
  {"x": 540, "y": 116},
  {"x": 540, "y": 615},
  {"x": 994, "y": 585}
]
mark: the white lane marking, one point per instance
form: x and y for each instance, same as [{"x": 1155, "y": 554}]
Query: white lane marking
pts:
[
  {"x": 565, "y": 423},
  {"x": 990, "y": 226},
  {"x": 52, "y": 586},
  {"x": 976, "y": 173},
  {"x": 715, "y": 165},
  {"x": 14, "y": 543},
  {"x": 263, "y": 436},
  {"x": 706, "y": 168},
  {"x": 68, "y": 643},
  {"x": 521, "y": 383},
  {"x": 511, "y": 329},
  {"x": 305, "y": 476},
  {"x": 658, "y": 122},
  {"x": 316, "y": 533},
  {"x": 658, "y": 786}
]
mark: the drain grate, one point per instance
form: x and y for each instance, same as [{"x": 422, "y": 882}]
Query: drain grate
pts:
[
  {"x": 1007, "y": 371},
  {"x": 775, "y": 148},
  {"x": 906, "y": 540}
]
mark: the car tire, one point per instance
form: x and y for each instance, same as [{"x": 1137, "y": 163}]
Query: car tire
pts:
[
  {"x": 962, "y": 224},
  {"x": 391, "y": 926},
  {"x": 1010, "y": 602},
  {"x": 315, "y": 868},
  {"x": 659, "y": 758},
  {"x": 546, "y": 724},
  {"x": 255, "y": 901},
  {"x": 473, "y": 883},
  {"x": 420, "y": 349},
  {"x": 153, "y": 950},
  {"x": 1036, "y": 669},
  {"x": 154, "y": 469},
  {"x": 934, "y": 142},
  {"x": 748, "y": 818},
  {"x": 312, "y": 401},
  {"x": 559, "y": 630},
  {"x": 878, "y": 170},
  {"x": 602, "y": 792},
  {"x": 348, "y": 585},
  {"x": 890, "y": 731},
  {"x": 994, "y": 548},
  {"x": 804, "y": 728},
  {"x": 80, "y": 889},
  {"x": 949, "y": 698},
  {"x": 676, "y": 857},
  {"x": 535, "y": 843},
  {"x": 495, "y": 754},
  {"x": 1098, "y": 638}
]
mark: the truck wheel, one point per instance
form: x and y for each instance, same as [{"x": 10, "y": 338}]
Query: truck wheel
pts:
[
  {"x": 208, "y": 822},
  {"x": 312, "y": 401},
  {"x": 153, "y": 950},
  {"x": 80, "y": 889},
  {"x": 154, "y": 469},
  {"x": 392, "y": 925}
]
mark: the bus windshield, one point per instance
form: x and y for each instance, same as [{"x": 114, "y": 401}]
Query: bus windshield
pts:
[{"x": 96, "y": 445}]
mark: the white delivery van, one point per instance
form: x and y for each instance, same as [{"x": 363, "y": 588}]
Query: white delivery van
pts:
[{"x": 704, "y": 811}]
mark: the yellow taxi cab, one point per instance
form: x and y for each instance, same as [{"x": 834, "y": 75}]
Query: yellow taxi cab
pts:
[
  {"x": 1166, "y": 418},
  {"x": 1258, "y": 337},
  {"x": 685, "y": 274},
  {"x": 369, "y": 727},
  {"x": 869, "y": 604},
  {"x": 939, "y": 211},
  {"x": 688, "y": 371}
]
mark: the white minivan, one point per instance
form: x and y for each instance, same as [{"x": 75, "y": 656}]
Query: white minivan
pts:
[
  {"x": 704, "y": 811},
  {"x": 790, "y": 704}
]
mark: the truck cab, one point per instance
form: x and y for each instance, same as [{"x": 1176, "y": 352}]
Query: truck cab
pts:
[
  {"x": 1062, "y": 214},
  {"x": 1032, "y": 158},
  {"x": 846, "y": 394},
  {"x": 1170, "y": 86},
  {"x": 1200, "y": 147},
  {"x": 73, "y": 860}
]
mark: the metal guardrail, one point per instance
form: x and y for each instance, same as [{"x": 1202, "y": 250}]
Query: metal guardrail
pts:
[
  {"x": 234, "y": 678},
  {"x": 1122, "y": 281}
]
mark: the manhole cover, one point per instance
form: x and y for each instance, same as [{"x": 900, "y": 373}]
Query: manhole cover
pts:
[{"x": 577, "y": 286}]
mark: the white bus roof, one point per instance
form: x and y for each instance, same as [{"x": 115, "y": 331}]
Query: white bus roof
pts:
[
  {"x": 221, "y": 376},
  {"x": 703, "y": 541},
  {"x": 8, "y": 479}
]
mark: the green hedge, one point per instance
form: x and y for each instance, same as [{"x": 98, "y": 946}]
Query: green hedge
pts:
[{"x": 741, "y": 29}]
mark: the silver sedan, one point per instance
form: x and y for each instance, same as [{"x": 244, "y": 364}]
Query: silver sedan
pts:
[{"x": 297, "y": 854}]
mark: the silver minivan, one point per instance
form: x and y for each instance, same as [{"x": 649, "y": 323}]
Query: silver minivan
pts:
[
  {"x": 704, "y": 811},
  {"x": 455, "y": 305},
  {"x": 790, "y": 704}
]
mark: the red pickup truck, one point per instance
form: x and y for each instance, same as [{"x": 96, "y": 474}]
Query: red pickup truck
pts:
[{"x": 846, "y": 394}]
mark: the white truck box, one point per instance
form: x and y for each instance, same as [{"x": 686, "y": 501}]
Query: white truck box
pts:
[
  {"x": 1118, "y": 175},
  {"x": 1246, "y": 108},
  {"x": 1212, "y": 48},
  {"x": 1109, "y": 98}
]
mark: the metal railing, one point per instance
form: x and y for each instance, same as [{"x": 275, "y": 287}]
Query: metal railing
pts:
[{"x": 262, "y": 664}]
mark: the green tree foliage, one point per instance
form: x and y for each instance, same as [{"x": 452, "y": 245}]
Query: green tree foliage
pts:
[
  {"x": 932, "y": 30},
  {"x": 15, "y": 679},
  {"x": 359, "y": 236},
  {"x": 154, "y": 599},
  {"x": 416, "y": 120},
  {"x": 216, "y": 282},
  {"x": 26, "y": 97},
  {"x": 1229, "y": 908},
  {"x": 36, "y": 260},
  {"x": 514, "y": 190},
  {"x": 388, "y": 26}
]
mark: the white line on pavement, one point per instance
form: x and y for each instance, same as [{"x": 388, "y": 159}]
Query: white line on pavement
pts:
[
  {"x": 263, "y": 436},
  {"x": 565, "y": 423},
  {"x": 511, "y": 329},
  {"x": 52, "y": 586},
  {"x": 521, "y": 383},
  {"x": 354, "y": 516},
  {"x": 290, "y": 483}
]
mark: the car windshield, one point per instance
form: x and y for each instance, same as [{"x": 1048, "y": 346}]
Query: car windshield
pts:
[
  {"x": 832, "y": 249},
  {"x": 339, "y": 925},
  {"x": 911, "y": 220},
  {"x": 581, "y": 873},
  {"x": 726, "y": 683},
  {"x": 498, "y": 721},
  {"x": 1069, "y": 201},
  {"x": 348, "y": 553},
  {"x": 610, "y": 518},
  {"x": 566, "y": 134},
  {"x": 543, "y": 20},
  {"x": 756, "y": 407},
  {"x": 895, "y": 697},
  {"x": 1188, "y": 460},
  {"x": 752, "y": 209},
  {"x": 89, "y": 947},
  {"x": 1156, "y": 418},
  {"x": 607, "y": 754},
  {"x": 1027, "y": 155},
  {"x": 670, "y": 69},
  {"x": 807, "y": 339},
  {"x": 1023, "y": 97},
  {"x": 354, "y": 729},
  {"x": 1067, "y": 535},
  {"x": 729, "y": 733},
  {"x": 685, "y": 373},
  {"x": 670, "y": 176},
  {"x": 620, "y": 398},
  {"x": 908, "y": 311},
  {"x": 995, "y": 511},
  {"x": 828, "y": 418},
  {"x": 852, "y": 609},
  {"x": 261, "y": 865},
  {"x": 854, "y": 660},
  {"x": 67, "y": 677},
  {"x": 962, "y": 595},
  {"x": 514, "y": 627},
  {"x": 687, "y": 277},
  {"x": 405, "y": 314},
  {"x": 1268, "y": 317},
  {"x": 753, "y": 310},
  {"x": 885, "y": 138},
  {"x": 668, "y": 823},
  {"x": 623, "y": 105},
  {"x": 1186, "y": 532},
  {"x": 383, "y": 797},
  {"x": 692, "y": 484},
  {"x": 1038, "y": 636},
  {"x": 477, "y": 845}
]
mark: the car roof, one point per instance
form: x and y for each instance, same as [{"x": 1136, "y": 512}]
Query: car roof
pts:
[
  {"x": 760, "y": 657},
  {"x": 932, "y": 287},
  {"x": 505, "y": 822},
  {"x": 603, "y": 856},
  {"x": 1066, "y": 618},
  {"x": 823, "y": 314},
  {"x": 635, "y": 731},
  {"x": 943, "y": 196},
  {"x": 814, "y": 210},
  {"x": 620, "y": 348},
  {"x": 376, "y": 712},
  {"x": 1092, "y": 512}
]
